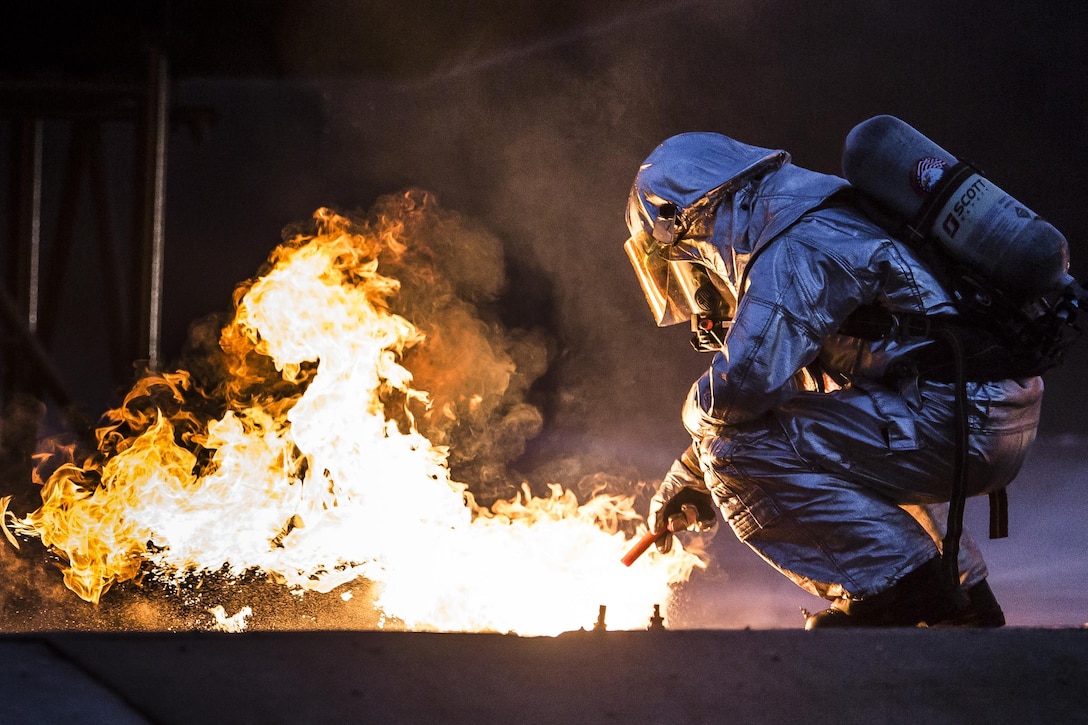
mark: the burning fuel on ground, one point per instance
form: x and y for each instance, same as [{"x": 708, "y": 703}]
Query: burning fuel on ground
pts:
[{"x": 305, "y": 445}]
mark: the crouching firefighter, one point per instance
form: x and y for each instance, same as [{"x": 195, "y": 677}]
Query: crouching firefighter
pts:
[{"x": 853, "y": 401}]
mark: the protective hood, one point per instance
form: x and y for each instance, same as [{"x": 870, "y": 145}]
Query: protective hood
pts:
[{"x": 701, "y": 204}]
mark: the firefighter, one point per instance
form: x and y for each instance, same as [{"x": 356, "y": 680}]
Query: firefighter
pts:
[{"x": 829, "y": 452}]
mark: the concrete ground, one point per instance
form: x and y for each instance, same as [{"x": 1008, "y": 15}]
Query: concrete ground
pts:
[{"x": 1012, "y": 675}]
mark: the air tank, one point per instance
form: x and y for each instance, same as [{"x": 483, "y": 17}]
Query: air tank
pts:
[{"x": 972, "y": 218}]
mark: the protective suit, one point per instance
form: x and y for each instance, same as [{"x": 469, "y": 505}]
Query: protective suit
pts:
[{"x": 830, "y": 455}]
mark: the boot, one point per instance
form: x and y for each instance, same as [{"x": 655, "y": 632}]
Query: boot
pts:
[
  {"x": 982, "y": 610},
  {"x": 924, "y": 595}
]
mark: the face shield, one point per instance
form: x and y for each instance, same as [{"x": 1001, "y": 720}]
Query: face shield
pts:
[{"x": 676, "y": 282}]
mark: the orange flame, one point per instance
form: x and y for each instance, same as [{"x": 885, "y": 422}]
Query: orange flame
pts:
[{"x": 312, "y": 471}]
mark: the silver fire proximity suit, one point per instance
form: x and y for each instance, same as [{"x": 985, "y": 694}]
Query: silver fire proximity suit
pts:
[{"x": 842, "y": 486}]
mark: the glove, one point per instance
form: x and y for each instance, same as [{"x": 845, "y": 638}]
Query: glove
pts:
[{"x": 682, "y": 503}]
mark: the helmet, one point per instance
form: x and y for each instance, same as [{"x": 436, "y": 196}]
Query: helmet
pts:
[{"x": 686, "y": 261}]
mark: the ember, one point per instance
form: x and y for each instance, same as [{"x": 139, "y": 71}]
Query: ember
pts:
[{"x": 301, "y": 459}]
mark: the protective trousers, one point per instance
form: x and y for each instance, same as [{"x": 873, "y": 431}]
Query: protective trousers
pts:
[{"x": 821, "y": 490}]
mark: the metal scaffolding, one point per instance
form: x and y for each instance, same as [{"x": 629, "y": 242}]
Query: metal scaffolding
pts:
[{"x": 37, "y": 112}]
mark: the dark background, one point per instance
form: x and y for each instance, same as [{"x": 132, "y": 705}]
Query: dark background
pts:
[{"x": 532, "y": 120}]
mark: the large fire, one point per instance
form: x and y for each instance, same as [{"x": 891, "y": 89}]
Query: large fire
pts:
[{"x": 305, "y": 464}]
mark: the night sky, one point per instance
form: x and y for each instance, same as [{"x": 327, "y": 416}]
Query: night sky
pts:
[{"x": 532, "y": 123}]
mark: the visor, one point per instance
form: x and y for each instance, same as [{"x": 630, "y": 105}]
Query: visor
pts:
[{"x": 669, "y": 277}]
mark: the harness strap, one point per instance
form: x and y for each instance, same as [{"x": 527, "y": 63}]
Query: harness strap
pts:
[
  {"x": 950, "y": 547},
  {"x": 999, "y": 514},
  {"x": 986, "y": 357},
  {"x": 974, "y": 359}
]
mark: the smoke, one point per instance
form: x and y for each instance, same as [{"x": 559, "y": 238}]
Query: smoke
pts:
[
  {"x": 542, "y": 146},
  {"x": 526, "y": 322},
  {"x": 477, "y": 371},
  {"x": 543, "y": 143},
  {"x": 478, "y": 374}
]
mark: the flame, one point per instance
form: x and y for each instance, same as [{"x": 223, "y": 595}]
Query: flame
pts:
[{"x": 305, "y": 463}]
